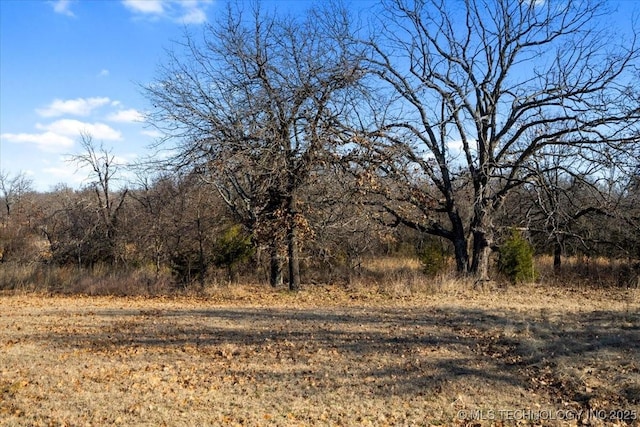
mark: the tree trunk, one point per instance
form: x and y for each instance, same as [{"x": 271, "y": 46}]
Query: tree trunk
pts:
[
  {"x": 481, "y": 231},
  {"x": 233, "y": 273},
  {"x": 459, "y": 241},
  {"x": 275, "y": 277},
  {"x": 294, "y": 261},
  {"x": 481, "y": 256},
  {"x": 292, "y": 243},
  {"x": 461, "y": 254},
  {"x": 557, "y": 257},
  {"x": 202, "y": 264}
]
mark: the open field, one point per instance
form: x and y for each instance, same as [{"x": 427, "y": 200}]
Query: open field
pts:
[{"x": 527, "y": 355}]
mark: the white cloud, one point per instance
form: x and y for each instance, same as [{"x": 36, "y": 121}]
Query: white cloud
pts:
[
  {"x": 103, "y": 73},
  {"x": 126, "y": 116},
  {"x": 152, "y": 133},
  {"x": 46, "y": 141},
  {"x": 455, "y": 145},
  {"x": 73, "y": 128},
  {"x": 62, "y": 134},
  {"x": 66, "y": 174},
  {"x": 63, "y": 7},
  {"x": 194, "y": 16},
  {"x": 193, "y": 11},
  {"x": 77, "y": 107},
  {"x": 152, "y": 7},
  {"x": 181, "y": 11}
]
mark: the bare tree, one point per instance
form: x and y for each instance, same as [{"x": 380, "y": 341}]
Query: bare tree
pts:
[
  {"x": 107, "y": 203},
  {"x": 70, "y": 227},
  {"x": 15, "y": 229},
  {"x": 473, "y": 90},
  {"x": 562, "y": 190},
  {"x": 631, "y": 215},
  {"x": 254, "y": 106},
  {"x": 12, "y": 189},
  {"x": 152, "y": 195}
]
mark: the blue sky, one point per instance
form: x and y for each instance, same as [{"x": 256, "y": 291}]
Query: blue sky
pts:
[{"x": 68, "y": 66}]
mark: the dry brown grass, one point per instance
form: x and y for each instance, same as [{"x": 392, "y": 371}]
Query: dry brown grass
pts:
[
  {"x": 587, "y": 272},
  {"x": 99, "y": 280},
  {"x": 328, "y": 355}
]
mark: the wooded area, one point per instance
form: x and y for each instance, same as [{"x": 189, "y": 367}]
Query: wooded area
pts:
[{"x": 433, "y": 131}]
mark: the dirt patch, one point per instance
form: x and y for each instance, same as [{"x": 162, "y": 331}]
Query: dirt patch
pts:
[{"x": 523, "y": 356}]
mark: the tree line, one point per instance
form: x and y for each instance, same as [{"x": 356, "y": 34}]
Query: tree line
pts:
[{"x": 325, "y": 137}]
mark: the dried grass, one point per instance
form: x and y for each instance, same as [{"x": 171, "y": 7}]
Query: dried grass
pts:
[
  {"x": 328, "y": 355},
  {"x": 585, "y": 272},
  {"x": 391, "y": 277},
  {"x": 99, "y": 280}
]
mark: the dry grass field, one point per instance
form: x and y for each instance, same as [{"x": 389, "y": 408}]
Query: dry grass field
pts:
[{"x": 328, "y": 355}]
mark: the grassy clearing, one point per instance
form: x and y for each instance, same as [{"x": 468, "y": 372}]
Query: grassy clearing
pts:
[{"x": 329, "y": 355}]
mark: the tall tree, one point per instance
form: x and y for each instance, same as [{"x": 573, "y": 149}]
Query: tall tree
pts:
[
  {"x": 12, "y": 190},
  {"x": 107, "y": 203},
  {"x": 254, "y": 106},
  {"x": 15, "y": 218},
  {"x": 472, "y": 90},
  {"x": 562, "y": 191}
]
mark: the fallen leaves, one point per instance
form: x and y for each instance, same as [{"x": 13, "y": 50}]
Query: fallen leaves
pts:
[{"x": 290, "y": 361}]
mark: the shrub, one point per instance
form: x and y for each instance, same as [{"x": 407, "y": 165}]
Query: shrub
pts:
[
  {"x": 233, "y": 248},
  {"x": 187, "y": 266},
  {"x": 516, "y": 258},
  {"x": 433, "y": 259}
]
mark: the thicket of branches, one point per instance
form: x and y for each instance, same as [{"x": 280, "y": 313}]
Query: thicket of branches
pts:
[
  {"x": 313, "y": 141},
  {"x": 174, "y": 227}
]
